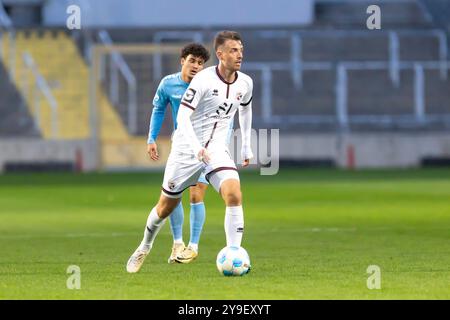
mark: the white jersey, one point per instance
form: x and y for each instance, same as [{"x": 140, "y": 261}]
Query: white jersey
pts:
[{"x": 215, "y": 102}]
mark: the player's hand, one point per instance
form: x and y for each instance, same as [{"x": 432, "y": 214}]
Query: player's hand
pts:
[
  {"x": 246, "y": 154},
  {"x": 203, "y": 155},
  {"x": 152, "y": 150}
]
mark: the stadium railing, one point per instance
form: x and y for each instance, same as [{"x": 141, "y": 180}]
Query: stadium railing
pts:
[
  {"x": 159, "y": 37},
  {"x": 393, "y": 56},
  {"x": 41, "y": 87},
  {"x": 419, "y": 117},
  {"x": 296, "y": 66},
  {"x": 118, "y": 63}
]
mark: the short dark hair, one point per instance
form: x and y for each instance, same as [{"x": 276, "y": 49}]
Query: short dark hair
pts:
[
  {"x": 225, "y": 35},
  {"x": 196, "y": 49}
]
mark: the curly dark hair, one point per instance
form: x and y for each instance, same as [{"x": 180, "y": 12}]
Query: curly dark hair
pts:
[{"x": 196, "y": 49}]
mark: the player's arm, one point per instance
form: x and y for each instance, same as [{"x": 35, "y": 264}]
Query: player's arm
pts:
[
  {"x": 160, "y": 102},
  {"x": 245, "y": 122},
  {"x": 188, "y": 105}
]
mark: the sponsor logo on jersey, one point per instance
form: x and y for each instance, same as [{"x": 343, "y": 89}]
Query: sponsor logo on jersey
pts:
[
  {"x": 218, "y": 116},
  {"x": 189, "y": 95},
  {"x": 224, "y": 108}
]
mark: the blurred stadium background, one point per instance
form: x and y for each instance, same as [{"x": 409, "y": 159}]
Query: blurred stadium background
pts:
[{"x": 341, "y": 95}]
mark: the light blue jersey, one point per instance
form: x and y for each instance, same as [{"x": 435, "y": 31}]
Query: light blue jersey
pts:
[{"x": 170, "y": 90}]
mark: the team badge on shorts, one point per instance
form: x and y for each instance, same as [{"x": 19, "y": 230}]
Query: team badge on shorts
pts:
[{"x": 171, "y": 185}]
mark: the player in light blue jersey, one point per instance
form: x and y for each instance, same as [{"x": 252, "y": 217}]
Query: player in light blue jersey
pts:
[{"x": 170, "y": 91}]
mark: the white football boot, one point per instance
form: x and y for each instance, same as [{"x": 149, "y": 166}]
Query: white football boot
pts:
[
  {"x": 187, "y": 255},
  {"x": 136, "y": 260},
  {"x": 177, "y": 248}
]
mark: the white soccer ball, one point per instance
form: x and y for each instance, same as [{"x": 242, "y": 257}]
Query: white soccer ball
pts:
[{"x": 233, "y": 261}]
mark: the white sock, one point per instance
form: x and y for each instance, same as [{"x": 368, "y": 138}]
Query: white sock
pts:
[
  {"x": 178, "y": 241},
  {"x": 194, "y": 246},
  {"x": 154, "y": 224},
  {"x": 234, "y": 226}
]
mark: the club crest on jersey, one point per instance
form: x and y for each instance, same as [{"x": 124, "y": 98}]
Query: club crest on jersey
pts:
[
  {"x": 215, "y": 92},
  {"x": 239, "y": 96},
  {"x": 189, "y": 95},
  {"x": 171, "y": 185}
]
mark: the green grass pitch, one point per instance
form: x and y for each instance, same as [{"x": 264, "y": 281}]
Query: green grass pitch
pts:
[{"x": 311, "y": 234}]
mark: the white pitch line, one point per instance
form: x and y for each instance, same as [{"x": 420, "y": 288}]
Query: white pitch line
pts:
[
  {"x": 68, "y": 235},
  {"x": 125, "y": 234},
  {"x": 272, "y": 230}
]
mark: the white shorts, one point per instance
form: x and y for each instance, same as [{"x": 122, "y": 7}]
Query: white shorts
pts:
[{"x": 183, "y": 170}]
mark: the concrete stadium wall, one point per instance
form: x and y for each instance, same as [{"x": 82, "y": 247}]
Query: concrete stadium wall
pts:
[
  {"x": 356, "y": 150},
  {"x": 367, "y": 150},
  {"x": 36, "y": 151}
]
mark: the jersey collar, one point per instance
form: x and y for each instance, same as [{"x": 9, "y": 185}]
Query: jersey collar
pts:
[
  {"x": 181, "y": 79},
  {"x": 223, "y": 80}
]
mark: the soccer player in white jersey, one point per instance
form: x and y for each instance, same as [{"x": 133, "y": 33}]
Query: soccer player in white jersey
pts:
[
  {"x": 170, "y": 91},
  {"x": 200, "y": 143}
]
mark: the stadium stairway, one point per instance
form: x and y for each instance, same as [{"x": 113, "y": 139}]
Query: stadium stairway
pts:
[
  {"x": 142, "y": 68},
  {"x": 15, "y": 120},
  {"x": 58, "y": 60}
]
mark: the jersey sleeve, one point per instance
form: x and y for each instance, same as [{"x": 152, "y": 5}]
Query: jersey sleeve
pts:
[
  {"x": 160, "y": 102},
  {"x": 247, "y": 99},
  {"x": 245, "y": 122},
  {"x": 193, "y": 94}
]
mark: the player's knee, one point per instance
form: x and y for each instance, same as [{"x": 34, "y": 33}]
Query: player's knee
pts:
[
  {"x": 232, "y": 198},
  {"x": 196, "y": 196},
  {"x": 197, "y": 193}
]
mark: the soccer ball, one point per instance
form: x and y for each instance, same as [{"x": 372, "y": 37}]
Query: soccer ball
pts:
[{"x": 233, "y": 261}]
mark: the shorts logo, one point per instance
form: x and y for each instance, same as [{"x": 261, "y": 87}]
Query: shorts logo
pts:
[
  {"x": 239, "y": 96},
  {"x": 171, "y": 185},
  {"x": 189, "y": 95},
  {"x": 240, "y": 229}
]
